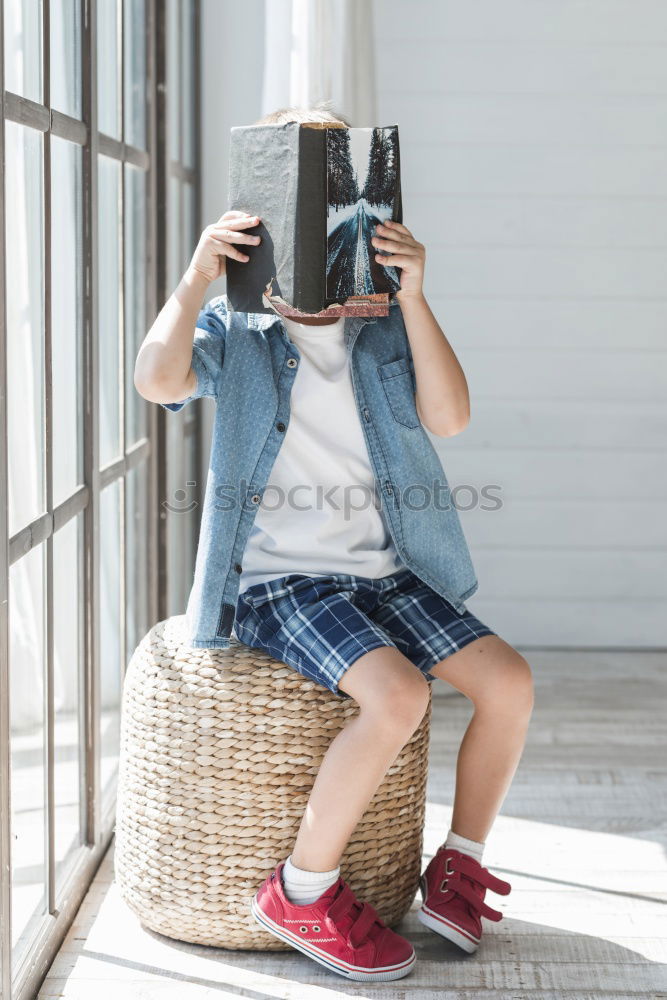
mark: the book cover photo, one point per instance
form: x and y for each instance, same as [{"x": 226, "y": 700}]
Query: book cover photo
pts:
[
  {"x": 319, "y": 190},
  {"x": 361, "y": 188}
]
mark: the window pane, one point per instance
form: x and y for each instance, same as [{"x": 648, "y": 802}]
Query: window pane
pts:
[
  {"x": 189, "y": 235},
  {"x": 182, "y": 514},
  {"x": 27, "y": 739},
  {"x": 108, "y": 103},
  {"x": 110, "y": 629},
  {"x": 109, "y": 313},
  {"x": 135, "y": 72},
  {"x": 174, "y": 234},
  {"x": 187, "y": 88},
  {"x": 192, "y": 517},
  {"x": 66, "y": 312},
  {"x": 136, "y": 547},
  {"x": 173, "y": 80},
  {"x": 135, "y": 296},
  {"x": 23, "y": 48},
  {"x": 69, "y": 736},
  {"x": 25, "y": 299},
  {"x": 65, "y": 57},
  {"x": 178, "y": 499}
]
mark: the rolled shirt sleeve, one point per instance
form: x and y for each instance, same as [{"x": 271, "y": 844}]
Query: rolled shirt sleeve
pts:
[{"x": 208, "y": 351}]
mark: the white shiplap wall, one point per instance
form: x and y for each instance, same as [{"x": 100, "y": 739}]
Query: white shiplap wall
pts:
[
  {"x": 534, "y": 151},
  {"x": 534, "y": 156}
]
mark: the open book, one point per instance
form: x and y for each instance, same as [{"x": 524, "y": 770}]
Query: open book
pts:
[{"x": 319, "y": 190}]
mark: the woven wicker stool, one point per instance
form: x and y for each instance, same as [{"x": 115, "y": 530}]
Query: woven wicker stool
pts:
[{"x": 219, "y": 751}]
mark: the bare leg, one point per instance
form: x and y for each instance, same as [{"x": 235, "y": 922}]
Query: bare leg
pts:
[
  {"x": 392, "y": 695},
  {"x": 498, "y": 681}
]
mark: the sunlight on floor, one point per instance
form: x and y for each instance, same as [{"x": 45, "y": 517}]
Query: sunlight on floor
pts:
[
  {"x": 618, "y": 879},
  {"x": 580, "y": 838}
]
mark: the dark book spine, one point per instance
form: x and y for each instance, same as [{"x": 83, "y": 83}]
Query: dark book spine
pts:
[
  {"x": 310, "y": 242},
  {"x": 397, "y": 214}
]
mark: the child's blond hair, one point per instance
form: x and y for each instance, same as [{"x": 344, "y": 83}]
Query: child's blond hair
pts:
[{"x": 320, "y": 113}]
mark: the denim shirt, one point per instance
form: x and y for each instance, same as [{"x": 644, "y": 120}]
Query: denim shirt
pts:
[{"x": 247, "y": 363}]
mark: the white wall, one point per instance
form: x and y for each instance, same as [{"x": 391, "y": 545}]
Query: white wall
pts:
[{"x": 534, "y": 152}]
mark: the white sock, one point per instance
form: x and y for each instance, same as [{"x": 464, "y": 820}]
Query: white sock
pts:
[
  {"x": 302, "y": 886},
  {"x": 471, "y": 847}
]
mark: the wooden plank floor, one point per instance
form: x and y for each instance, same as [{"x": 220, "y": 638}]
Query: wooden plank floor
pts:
[{"x": 582, "y": 837}]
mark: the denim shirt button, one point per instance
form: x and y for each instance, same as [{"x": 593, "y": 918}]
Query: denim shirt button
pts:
[
  {"x": 280, "y": 426},
  {"x": 238, "y": 567},
  {"x": 255, "y": 498},
  {"x": 291, "y": 362}
]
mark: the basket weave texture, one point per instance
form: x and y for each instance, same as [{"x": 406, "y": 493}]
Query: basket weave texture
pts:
[{"x": 219, "y": 751}]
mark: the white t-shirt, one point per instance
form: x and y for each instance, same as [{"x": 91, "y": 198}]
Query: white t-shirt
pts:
[{"x": 320, "y": 510}]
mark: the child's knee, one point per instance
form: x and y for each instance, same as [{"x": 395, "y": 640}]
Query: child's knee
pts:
[
  {"x": 513, "y": 687},
  {"x": 522, "y": 680},
  {"x": 401, "y": 703}
]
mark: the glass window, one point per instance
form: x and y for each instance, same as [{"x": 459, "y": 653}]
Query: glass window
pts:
[
  {"x": 193, "y": 494},
  {"x": 134, "y": 38},
  {"x": 27, "y": 698},
  {"x": 135, "y": 296},
  {"x": 23, "y": 47},
  {"x": 182, "y": 512},
  {"x": 25, "y": 324},
  {"x": 137, "y": 547},
  {"x": 66, "y": 317},
  {"x": 84, "y": 448},
  {"x": 173, "y": 79},
  {"x": 175, "y": 506},
  {"x": 109, "y": 307},
  {"x": 69, "y": 732},
  {"x": 110, "y": 630},
  {"x": 189, "y": 222},
  {"x": 186, "y": 85},
  {"x": 65, "y": 55},
  {"x": 108, "y": 73},
  {"x": 182, "y": 486},
  {"x": 174, "y": 233}
]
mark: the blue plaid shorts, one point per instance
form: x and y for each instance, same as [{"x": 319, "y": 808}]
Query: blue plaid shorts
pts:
[{"x": 320, "y": 625}]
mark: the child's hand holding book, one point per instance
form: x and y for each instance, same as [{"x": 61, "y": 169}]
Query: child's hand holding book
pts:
[{"x": 217, "y": 242}]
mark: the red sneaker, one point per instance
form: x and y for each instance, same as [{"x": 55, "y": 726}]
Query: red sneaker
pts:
[
  {"x": 453, "y": 888},
  {"x": 336, "y": 930}
]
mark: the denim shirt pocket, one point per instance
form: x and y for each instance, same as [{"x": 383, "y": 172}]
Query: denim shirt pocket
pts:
[{"x": 399, "y": 387}]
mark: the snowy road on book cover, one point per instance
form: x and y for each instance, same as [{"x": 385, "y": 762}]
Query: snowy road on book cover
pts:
[{"x": 361, "y": 191}]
